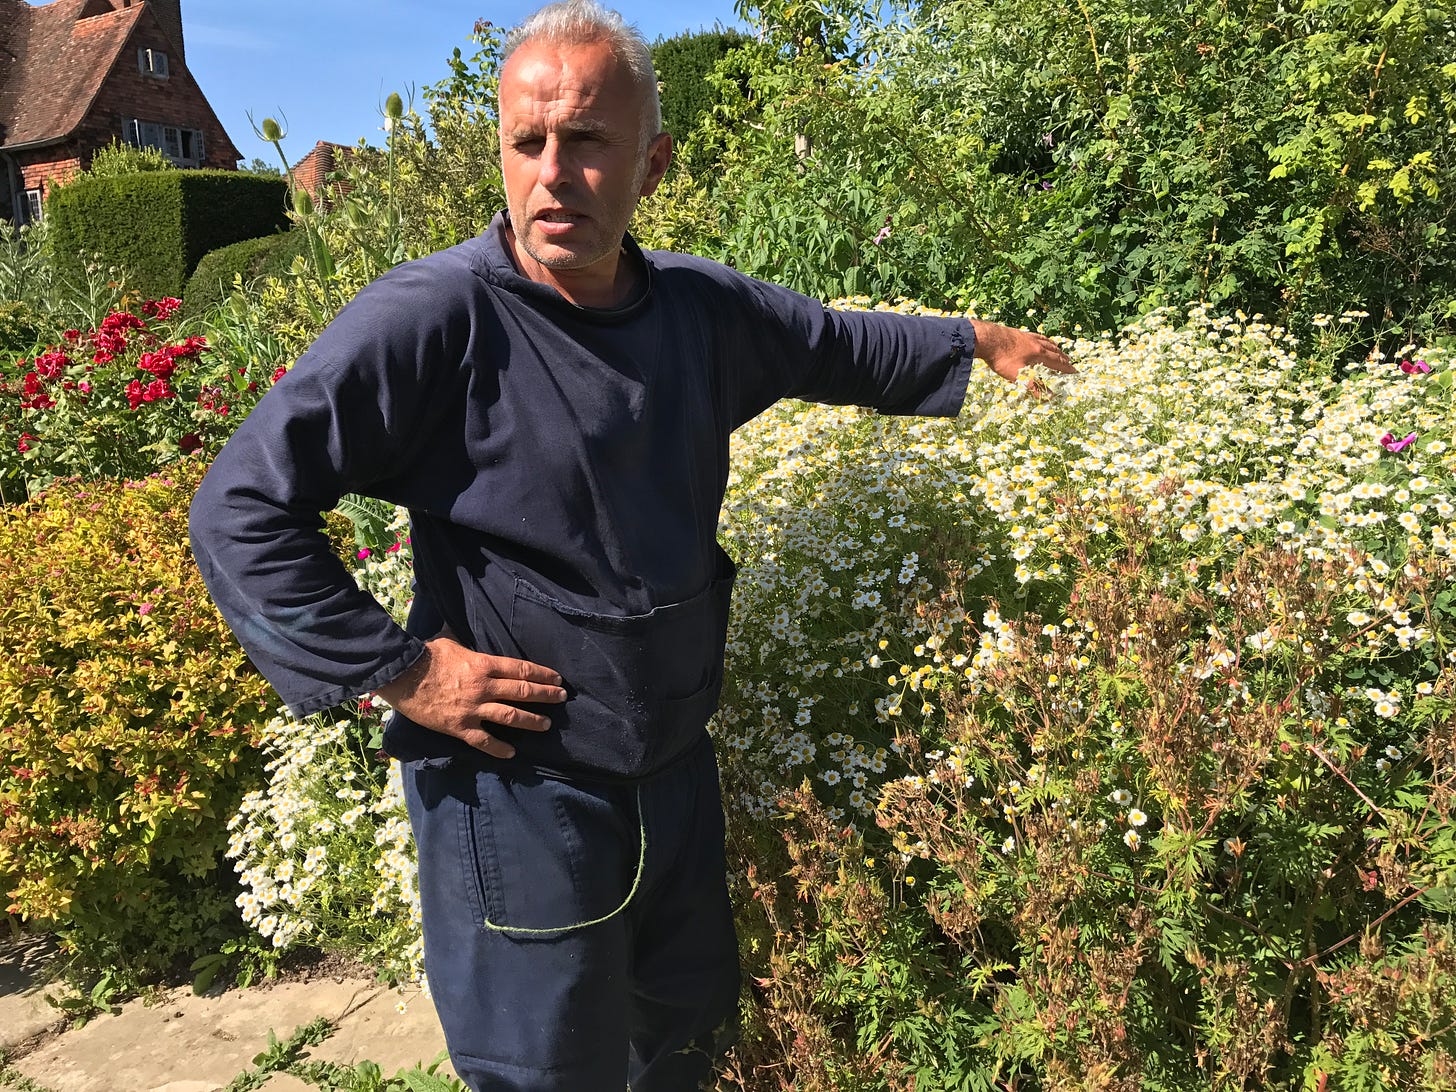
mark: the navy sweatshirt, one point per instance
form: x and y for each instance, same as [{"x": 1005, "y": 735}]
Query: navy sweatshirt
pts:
[{"x": 563, "y": 467}]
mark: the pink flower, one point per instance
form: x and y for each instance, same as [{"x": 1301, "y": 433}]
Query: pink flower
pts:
[
  {"x": 1390, "y": 443},
  {"x": 364, "y": 554},
  {"x": 145, "y": 608},
  {"x": 1412, "y": 367}
]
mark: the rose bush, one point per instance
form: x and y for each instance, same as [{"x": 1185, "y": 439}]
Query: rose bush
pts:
[{"x": 119, "y": 400}]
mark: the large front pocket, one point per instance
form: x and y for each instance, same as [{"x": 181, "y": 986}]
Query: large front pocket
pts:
[{"x": 640, "y": 687}]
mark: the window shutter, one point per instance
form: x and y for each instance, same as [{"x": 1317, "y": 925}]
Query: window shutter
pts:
[{"x": 131, "y": 132}]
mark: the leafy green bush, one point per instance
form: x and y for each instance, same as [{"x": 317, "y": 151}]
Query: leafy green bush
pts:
[
  {"x": 1102, "y": 737},
  {"x": 28, "y": 276},
  {"x": 156, "y": 225},
  {"x": 20, "y": 329},
  {"x": 118, "y": 159},
  {"x": 212, "y": 280},
  {"x": 1090, "y": 162},
  {"x": 129, "y": 722}
]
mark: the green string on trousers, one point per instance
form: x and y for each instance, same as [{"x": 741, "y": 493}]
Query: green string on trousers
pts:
[{"x": 631, "y": 893}]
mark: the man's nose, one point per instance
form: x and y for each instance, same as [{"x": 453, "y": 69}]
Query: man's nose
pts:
[{"x": 552, "y": 167}]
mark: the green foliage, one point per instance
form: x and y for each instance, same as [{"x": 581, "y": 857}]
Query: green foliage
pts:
[
  {"x": 155, "y": 226},
  {"x": 82, "y": 1006},
  {"x": 429, "y": 188},
  {"x": 1088, "y": 163},
  {"x": 117, "y": 159},
  {"x": 128, "y": 718},
  {"x": 287, "y": 1056},
  {"x": 683, "y": 65},
  {"x": 20, "y": 329},
  {"x": 215, "y": 275},
  {"x": 56, "y": 302},
  {"x": 447, "y": 182}
]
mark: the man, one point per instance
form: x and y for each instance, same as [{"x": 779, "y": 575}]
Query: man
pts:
[{"x": 553, "y": 405}]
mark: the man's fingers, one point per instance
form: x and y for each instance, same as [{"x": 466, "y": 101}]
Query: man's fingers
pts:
[
  {"x": 512, "y": 717},
  {"x": 482, "y": 740},
  {"x": 503, "y": 667},
  {"x": 499, "y": 689},
  {"x": 1053, "y": 355}
]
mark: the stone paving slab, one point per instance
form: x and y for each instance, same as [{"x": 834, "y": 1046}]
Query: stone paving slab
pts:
[
  {"x": 180, "y": 1042},
  {"x": 24, "y": 1013},
  {"x": 378, "y": 1032}
]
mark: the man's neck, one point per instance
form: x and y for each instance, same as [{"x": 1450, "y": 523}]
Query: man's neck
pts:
[{"x": 608, "y": 284}]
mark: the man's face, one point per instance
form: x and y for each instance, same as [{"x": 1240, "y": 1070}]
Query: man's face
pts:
[{"x": 572, "y": 157}]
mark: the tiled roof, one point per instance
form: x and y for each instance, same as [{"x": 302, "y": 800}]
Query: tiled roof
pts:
[{"x": 46, "y": 101}]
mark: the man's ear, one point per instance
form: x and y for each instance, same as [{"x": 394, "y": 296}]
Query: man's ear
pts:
[{"x": 659, "y": 158}]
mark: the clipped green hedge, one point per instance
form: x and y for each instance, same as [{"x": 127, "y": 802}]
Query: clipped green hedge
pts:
[
  {"x": 155, "y": 226},
  {"x": 212, "y": 280}
]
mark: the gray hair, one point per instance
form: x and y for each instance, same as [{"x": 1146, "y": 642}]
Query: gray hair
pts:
[{"x": 584, "y": 22}]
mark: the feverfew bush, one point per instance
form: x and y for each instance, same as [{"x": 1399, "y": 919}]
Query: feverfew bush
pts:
[
  {"x": 324, "y": 850},
  {"x": 127, "y": 722},
  {"x": 1108, "y": 727}
]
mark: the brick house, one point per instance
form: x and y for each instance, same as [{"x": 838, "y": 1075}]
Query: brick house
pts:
[
  {"x": 312, "y": 172},
  {"x": 76, "y": 75}
]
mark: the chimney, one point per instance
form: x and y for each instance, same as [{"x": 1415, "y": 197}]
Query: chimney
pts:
[{"x": 169, "y": 14}]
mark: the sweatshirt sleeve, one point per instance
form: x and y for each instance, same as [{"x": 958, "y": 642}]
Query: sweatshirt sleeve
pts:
[
  {"x": 344, "y": 420},
  {"x": 898, "y": 364}
]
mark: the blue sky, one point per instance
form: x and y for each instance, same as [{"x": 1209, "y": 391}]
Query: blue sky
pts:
[{"x": 327, "y": 65}]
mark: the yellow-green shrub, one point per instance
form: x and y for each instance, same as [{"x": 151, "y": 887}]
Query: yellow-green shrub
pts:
[{"x": 128, "y": 723}]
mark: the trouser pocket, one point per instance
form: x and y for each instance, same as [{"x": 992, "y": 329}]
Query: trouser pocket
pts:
[{"x": 542, "y": 857}]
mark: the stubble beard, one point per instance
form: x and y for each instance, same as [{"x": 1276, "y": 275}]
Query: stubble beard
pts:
[{"x": 605, "y": 247}]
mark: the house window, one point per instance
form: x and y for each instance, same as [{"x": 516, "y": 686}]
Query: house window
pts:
[
  {"x": 34, "y": 207},
  {"x": 153, "y": 63},
  {"x": 192, "y": 151},
  {"x": 183, "y": 147}
]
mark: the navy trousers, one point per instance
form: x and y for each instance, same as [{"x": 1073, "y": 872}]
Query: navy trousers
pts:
[{"x": 532, "y": 1000}]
